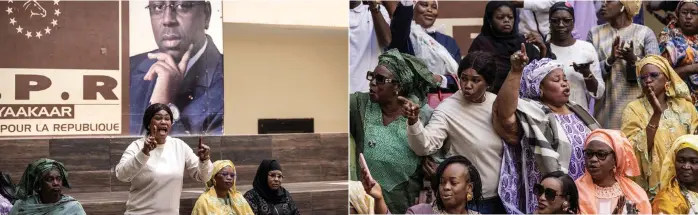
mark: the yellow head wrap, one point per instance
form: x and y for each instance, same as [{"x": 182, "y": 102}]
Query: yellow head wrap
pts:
[
  {"x": 675, "y": 87},
  {"x": 359, "y": 199},
  {"x": 668, "y": 169},
  {"x": 632, "y": 7},
  {"x": 208, "y": 203}
]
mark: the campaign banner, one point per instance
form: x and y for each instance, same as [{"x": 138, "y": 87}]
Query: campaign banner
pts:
[{"x": 72, "y": 68}]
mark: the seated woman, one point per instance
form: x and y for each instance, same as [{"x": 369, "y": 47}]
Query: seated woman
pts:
[
  {"x": 462, "y": 125},
  {"x": 557, "y": 194},
  {"x": 378, "y": 127},
  {"x": 500, "y": 36},
  {"x": 679, "y": 179},
  {"x": 655, "y": 120},
  {"x": 605, "y": 188},
  {"x": 268, "y": 197},
  {"x": 678, "y": 43},
  {"x": 543, "y": 129},
  {"x": 414, "y": 33},
  {"x": 39, "y": 191},
  {"x": 457, "y": 183},
  {"x": 221, "y": 195}
]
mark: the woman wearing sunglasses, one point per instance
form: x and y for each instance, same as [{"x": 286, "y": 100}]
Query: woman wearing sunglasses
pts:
[
  {"x": 378, "y": 126},
  {"x": 679, "y": 179},
  {"x": 557, "y": 194},
  {"x": 662, "y": 114},
  {"x": 605, "y": 187}
]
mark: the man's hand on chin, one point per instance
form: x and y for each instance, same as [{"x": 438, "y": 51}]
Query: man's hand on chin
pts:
[{"x": 169, "y": 75}]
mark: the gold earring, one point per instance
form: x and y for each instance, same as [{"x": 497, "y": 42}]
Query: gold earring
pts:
[
  {"x": 397, "y": 92},
  {"x": 470, "y": 196}
]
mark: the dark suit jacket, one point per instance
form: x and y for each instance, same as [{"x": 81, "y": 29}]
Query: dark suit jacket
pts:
[{"x": 199, "y": 100}]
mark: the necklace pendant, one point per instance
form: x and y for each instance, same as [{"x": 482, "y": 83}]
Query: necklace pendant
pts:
[{"x": 371, "y": 143}]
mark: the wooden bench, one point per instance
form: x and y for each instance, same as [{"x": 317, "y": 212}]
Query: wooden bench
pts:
[
  {"x": 326, "y": 197},
  {"x": 90, "y": 162}
]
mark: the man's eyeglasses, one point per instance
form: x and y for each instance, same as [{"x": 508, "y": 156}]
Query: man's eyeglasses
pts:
[
  {"x": 180, "y": 8},
  {"x": 378, "y": 79},
  {"x": 601, "y": 155},
  {"x": 550, "y": 194}
]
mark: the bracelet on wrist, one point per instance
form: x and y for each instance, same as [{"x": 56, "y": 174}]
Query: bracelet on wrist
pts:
[{"x": 652, "y": 126}]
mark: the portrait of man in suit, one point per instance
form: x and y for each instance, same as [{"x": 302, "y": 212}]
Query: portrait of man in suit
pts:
[{"x": 185, "y": 72}]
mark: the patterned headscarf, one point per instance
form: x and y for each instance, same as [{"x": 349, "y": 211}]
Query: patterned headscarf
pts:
[
  {"x": 29, "y": 184},
  {"x": 668, "y": 170},
  {"x": 533, "y": 75},
  {"x": 675, "y": 87},
  {"x": 632, "y": 7},
  {"x": 412, "y": 74},
  {"x": 359, "y": 199}
]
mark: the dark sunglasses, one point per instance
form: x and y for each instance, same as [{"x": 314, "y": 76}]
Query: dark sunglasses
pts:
[
  {"x": 550, "y": 194},
  {"x": 379, "y": 79},
  {"x": 654, "y": 75},
  {"x": 601, "y": 155}
]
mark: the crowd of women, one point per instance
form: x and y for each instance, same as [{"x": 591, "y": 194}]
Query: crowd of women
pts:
[
  {"x": 155, "y": 167},
  {"x": 547, "y": 124}
]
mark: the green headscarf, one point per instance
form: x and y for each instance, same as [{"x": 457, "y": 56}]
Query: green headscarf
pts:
[
  {"x": 412, "y": 74},
  {"x": 32, "y": 176}
]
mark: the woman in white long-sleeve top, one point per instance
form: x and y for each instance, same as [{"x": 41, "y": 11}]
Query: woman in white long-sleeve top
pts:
[
  {"x": 156, "y": 164},
  {"x": 462, "y": 125}
]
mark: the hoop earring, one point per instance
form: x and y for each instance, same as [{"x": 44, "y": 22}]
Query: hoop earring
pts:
[{"x": 470, "y": 196}]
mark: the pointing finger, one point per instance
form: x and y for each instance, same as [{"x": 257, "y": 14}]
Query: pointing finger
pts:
[{"x": 403, "y": 100}]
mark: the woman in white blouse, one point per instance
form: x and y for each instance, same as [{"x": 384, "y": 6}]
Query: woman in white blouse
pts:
[{"x": 156, "y": 164}]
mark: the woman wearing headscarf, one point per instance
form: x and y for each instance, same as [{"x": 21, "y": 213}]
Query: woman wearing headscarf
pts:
[
  {"x": 654, "y": 121},
  {"x": 581, "y": 63},
  {"x": 414, "y": 33},
  {"x": 221, "y": 196},
  {"x": 605, "y": 187},
  {"x": 267, "y": 196},
  {"x": 156, "y": 165},
  {"x": 679, "y": 44},
  {"x": 679, "y": 179},
  {"x": 619, "y": 44},
  {"x": 462, "y": 125},
  {"x": 378, "y": 127},
  {"x": 40, "y": 191},
  {"x": 500, "y": 36},
  {"x": 543, "y": 129}
]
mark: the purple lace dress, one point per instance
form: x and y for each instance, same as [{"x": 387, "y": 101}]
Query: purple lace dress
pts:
[
  {"x": 519, "y": 171},
  {"x": 5, "y": 206}
]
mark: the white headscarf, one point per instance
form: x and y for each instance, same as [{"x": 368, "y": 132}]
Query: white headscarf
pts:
[{"x": 436, "y": 56}]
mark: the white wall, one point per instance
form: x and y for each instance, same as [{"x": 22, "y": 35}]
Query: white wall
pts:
[{"x": 329, "y": 13}]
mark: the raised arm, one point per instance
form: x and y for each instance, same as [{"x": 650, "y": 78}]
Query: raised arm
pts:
[
  {"x": 198, "y": 167},
  {"x": 400, "y": 26},
  {"x": 381, "y": 21},
  {"x": 504, "y": 108},
  {"x": 132, "y": 161}
]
